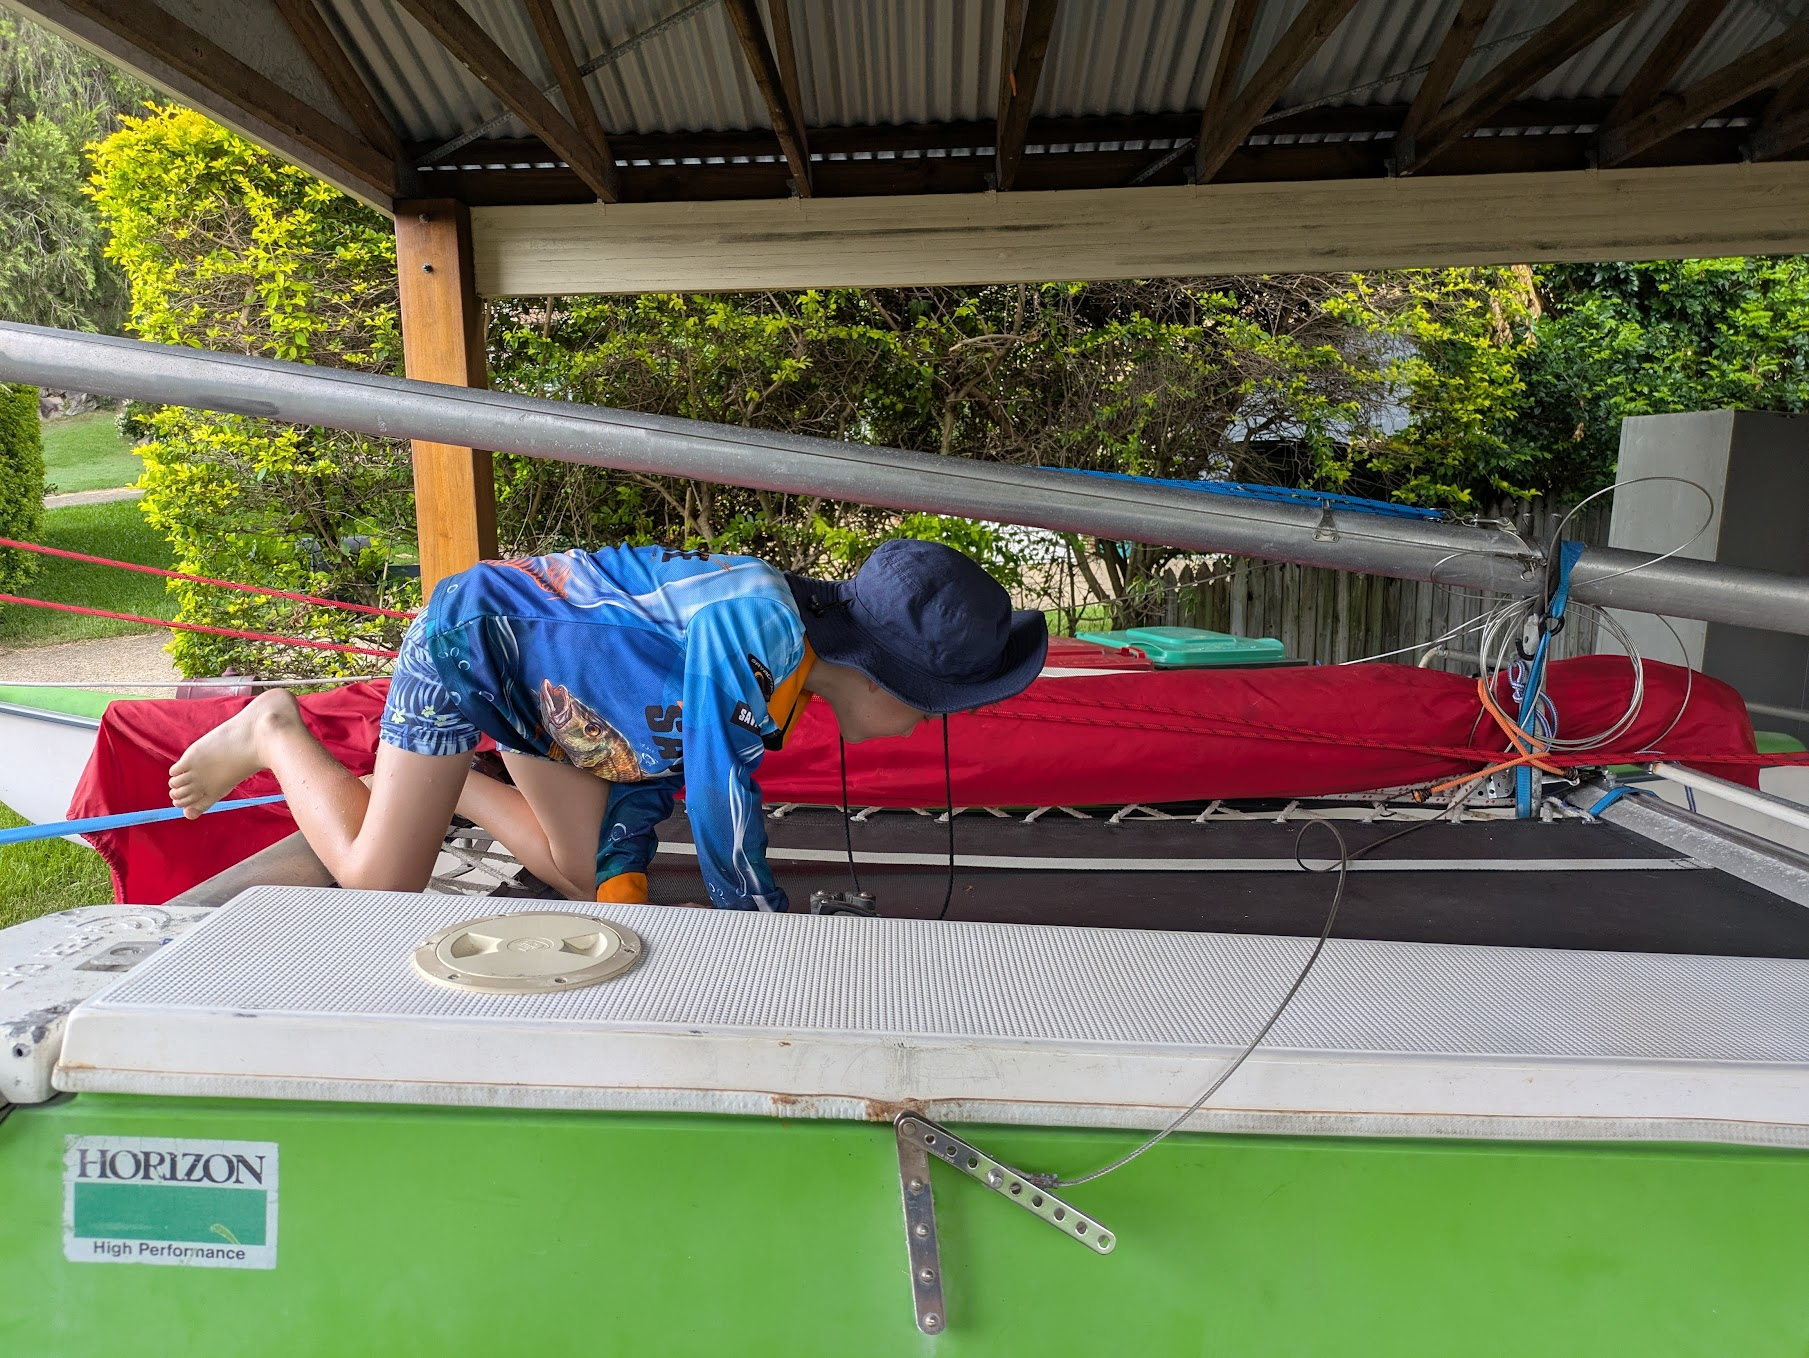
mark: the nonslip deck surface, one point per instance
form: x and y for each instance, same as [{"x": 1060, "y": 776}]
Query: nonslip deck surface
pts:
[{"x": 295, "y": 993}]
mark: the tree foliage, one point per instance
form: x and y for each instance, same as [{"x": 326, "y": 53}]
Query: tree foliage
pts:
[
  {"x": 21, "y": 482},
  {"x": 54, "y": 100},
  {"x": 1448, "y": 387},
  {"x": 1643, "y": 339},
  {"x": 226, "y": 247}
]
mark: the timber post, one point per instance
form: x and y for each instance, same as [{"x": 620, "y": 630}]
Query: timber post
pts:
[{"x": 443, "y": 341}]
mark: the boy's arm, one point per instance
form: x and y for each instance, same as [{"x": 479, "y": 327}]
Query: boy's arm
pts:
[
  {"x": 729, "y": 647},
  {"x": 630, "y": 839}
]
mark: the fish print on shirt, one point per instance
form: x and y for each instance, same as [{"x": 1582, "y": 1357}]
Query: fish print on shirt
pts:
[
  {"x": 588, "y": 741},
  {"x": 650, "y": 668}
]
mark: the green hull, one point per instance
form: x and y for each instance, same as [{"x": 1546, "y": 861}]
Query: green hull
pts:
[{"x": 407, "y": 1230}]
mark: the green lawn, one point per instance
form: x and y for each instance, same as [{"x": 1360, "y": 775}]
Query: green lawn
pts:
[
  {"x": 87, "y": 453},
  {"x": 115, "y": 530},
  {"x": 47, "y": 875}
]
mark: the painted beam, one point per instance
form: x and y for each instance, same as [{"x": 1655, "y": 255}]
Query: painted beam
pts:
[
  {"x": 443, "y": 341},
  {"x": 1669, "y": 213}
]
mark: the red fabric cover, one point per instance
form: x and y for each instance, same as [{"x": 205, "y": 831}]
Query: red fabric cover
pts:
[
  {"x": 1111, "y": 738},
  {"x": 130, "y": 771},
  {"x": 1180, "y": 735},
  {"x": 1071, "y": 653}
]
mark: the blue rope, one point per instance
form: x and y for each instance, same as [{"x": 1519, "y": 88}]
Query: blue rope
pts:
[
  {"x": 92, "y": 824},
  {"x": 1533, "y": 705}
]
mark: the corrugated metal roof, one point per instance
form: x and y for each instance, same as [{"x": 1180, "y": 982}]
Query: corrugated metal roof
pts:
[{"x": 892, "y": 62}]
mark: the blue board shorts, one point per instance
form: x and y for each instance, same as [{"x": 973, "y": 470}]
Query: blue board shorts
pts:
[{"x": 421, "y": 714}]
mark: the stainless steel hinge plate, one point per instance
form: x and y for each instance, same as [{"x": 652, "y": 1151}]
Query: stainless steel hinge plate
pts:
[{"x": 919, "y": 1142}]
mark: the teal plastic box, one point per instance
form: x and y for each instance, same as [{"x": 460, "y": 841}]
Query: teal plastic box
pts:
[{"x": 1191, "y": 647}]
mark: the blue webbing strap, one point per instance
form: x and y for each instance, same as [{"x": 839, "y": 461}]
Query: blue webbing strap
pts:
[
  {"x": 92, "y": 824},
  {"x": 1568, "y": 552},
  {"x": 1614, "y": 796}
]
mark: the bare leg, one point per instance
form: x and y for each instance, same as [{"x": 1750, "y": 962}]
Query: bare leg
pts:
[
  {"x": 505, "y": 813},
  {"x": 550, "y": 820},
  {"x": 384, "y": 838}
]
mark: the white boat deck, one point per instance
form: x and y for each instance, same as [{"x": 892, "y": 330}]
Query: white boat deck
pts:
[{"x": 289, "y": 993}]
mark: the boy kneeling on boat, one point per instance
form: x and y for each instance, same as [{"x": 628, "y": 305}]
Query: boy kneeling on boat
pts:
[{"x": 608, "y": 680}]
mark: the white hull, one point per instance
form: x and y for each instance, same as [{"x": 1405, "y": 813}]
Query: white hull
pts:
[{"x": 42, "y": 755}]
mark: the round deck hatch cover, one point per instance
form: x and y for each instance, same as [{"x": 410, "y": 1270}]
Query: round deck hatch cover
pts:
[{"x": 537, "y": 952}]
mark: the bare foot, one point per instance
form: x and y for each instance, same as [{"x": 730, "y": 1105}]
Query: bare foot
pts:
[{"x": 227, "y": 755}]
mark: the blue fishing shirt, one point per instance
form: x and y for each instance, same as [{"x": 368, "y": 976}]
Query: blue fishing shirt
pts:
[{"x": 649, "y": 667}]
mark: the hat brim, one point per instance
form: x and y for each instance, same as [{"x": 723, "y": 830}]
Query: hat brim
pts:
[{"x": 836, "y": 637}]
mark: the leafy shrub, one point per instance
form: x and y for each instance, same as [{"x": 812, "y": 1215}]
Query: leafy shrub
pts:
[
  {"x": 21, "y": 483},
  {"x": 226, "y": 247}
]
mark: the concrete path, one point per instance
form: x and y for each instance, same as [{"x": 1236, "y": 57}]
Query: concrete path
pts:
[
  {"x": 93, "y": 497},
  {"x": 111, "y": 660}
]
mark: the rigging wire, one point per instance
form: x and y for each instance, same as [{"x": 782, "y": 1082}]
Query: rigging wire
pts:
[
  {"x": 948, "y": 790},
  {"x": 841, "y": 745},
  {"x": 1342, "y": 867}
]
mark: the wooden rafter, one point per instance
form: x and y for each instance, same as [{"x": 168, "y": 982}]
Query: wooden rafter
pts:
[
  {"x": 197, "y": 58},
  {"x": 787, "y": 118},
  {"x": 1785, "y": 126},
  {"x": 558, "y": 49},
  {"x": 1768, "y": 64},
  {"x": 310, "y": 28},
  {"x": 1453, "y": 52},
  {"x": 454, "y": 29},
  {"x": 1311, "y": 27},
  {"x": 1020, "y": 70},
  {"x": 1548, "y": 49},
  {"x": 1233, "y": 47},
  {"x": 1683, "y": 37}
]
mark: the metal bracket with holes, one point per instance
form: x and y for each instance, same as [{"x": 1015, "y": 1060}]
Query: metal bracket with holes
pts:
[{"x": 920, "y": 1141}]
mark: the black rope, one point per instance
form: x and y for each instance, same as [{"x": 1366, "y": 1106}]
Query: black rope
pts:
[
  {"x": 948, "y": 792},
  {"x": 847, "y": 827}
]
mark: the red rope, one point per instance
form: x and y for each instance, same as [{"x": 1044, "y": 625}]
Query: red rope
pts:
[
  {"x": 197, "y": 627},
  {"x": 314, "y": 599}
]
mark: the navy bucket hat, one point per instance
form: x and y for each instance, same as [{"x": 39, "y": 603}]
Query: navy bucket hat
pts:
[{"x": 927, "y": 625}]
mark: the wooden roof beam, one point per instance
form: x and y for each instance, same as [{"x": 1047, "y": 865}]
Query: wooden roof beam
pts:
[
  {"x": 1234, "y": 46},
  {"x": 1315, "y": 23},
  {"x": 782, "y": 105},
  {"x": 199, "y": 59},
  {"x": 1548, "y": 49},
  {"x": 1683, "y": 37},
  {"x": 1453, "y": 52},
  {"x": 324, "y": 49},
  {"x": 1785, "y": 126},
  {"x": 454, "y": 29},
  {"x": 558, "y": 49},
  {"x": 1768, "y": 64},
  {"x": 1028, "y": 25}
]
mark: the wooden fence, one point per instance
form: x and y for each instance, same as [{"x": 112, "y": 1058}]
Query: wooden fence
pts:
[{"x": 1327, "y": 616}]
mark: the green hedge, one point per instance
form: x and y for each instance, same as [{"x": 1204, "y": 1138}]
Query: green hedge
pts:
[
  {"x": 21, "y": 482},
  {"x": 226, "y": 247}
]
